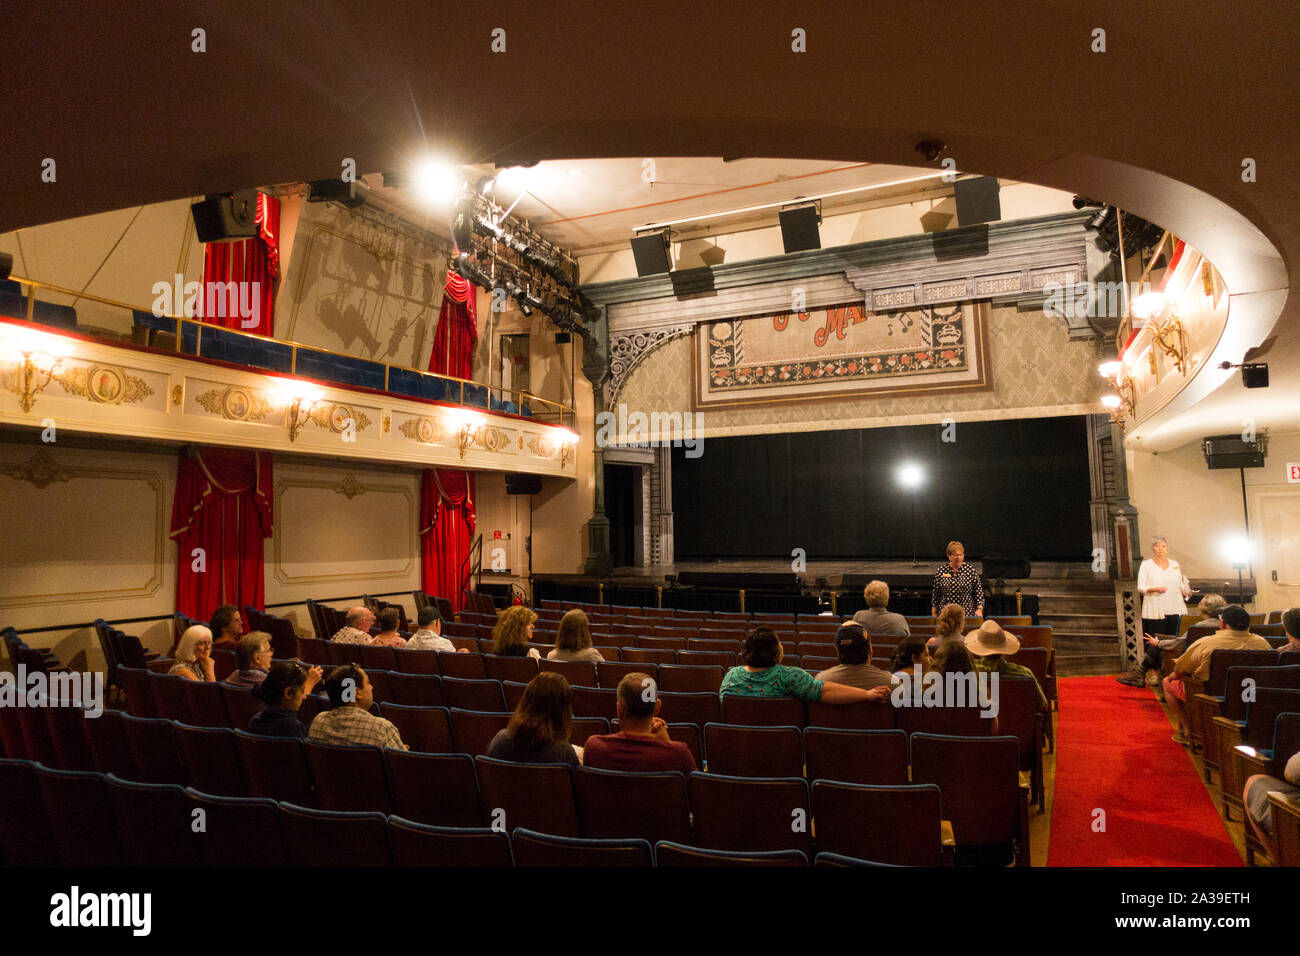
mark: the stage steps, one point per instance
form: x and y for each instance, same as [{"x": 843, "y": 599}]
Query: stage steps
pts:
[{"x": 1080, "y": 608}]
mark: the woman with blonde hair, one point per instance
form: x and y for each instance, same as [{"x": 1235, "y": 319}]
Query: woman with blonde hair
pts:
[
  {"x": 950, "y": 625},
  {"x": 513, "y": 631},
  {"x": 194, "y": 655},
  {"x": 573, "y": 640}
]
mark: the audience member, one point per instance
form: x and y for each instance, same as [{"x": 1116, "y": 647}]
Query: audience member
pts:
[
  {"x": 642, "y": 744},
  {"x": 286, "y": 686},
  {"x": 1259, "y": 811},
  {"x": 349, "y": 721},
  {"x": 1210, "y": 607},
  {"x": 853, "y": 644},
  {"x": 429, "y": 636},
  {"x": 908, "y": 653},
  {"x": 950, "y": 625},
  {"x": 761, "y": 674},
  {"x": 538, "y": 731},
  {"x": 194, "y": 655},
  {"x": 1291, "y": 625},
  {"x": 252, "y": 658},
  {"x": 877, "y": 621},
  {"x": 573, "y": 640},
  {"x": 513, "y": 631},
  {"x": 1234, "y": 635},
  {"x": 989, "y": 646},
  {"x": 356, "y": 627},
  {"x": 389, "y": 618},
  {"x": 226, "y": 626},
  {"x": 953, "y": 658}
]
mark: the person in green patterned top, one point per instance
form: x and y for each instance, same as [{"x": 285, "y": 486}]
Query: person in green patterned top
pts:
[{"x": 763, "y": 675}]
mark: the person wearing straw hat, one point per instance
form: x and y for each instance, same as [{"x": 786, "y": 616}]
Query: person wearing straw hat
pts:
[{"x": 990, "y": 646}]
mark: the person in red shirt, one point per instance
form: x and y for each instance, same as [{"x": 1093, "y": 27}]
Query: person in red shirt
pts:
[{"x": 641, "y": 744}]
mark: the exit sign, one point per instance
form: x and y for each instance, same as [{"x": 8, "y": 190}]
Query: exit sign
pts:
[{"x": 1293, "y": 471}]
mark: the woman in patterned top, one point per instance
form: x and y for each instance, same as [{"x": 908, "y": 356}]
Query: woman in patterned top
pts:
[
  {"x": 957, "y": 583},
  {"x": 763, "y": 675}
]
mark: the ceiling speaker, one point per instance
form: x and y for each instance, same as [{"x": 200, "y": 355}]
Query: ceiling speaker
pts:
[
  {"x": 351, "y": 194},
  {"x": 225, "y": 218},
  {"x": 517, "y": 484},
  {"x": 650, "y": 251},
  {"x": 799, "y": 228},
  {"x": 977, "y": 200},
  {"x": 1229, "y": 451}
]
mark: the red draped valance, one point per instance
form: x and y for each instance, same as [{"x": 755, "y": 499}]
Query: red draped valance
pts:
[{"x": 446, "y": 527}]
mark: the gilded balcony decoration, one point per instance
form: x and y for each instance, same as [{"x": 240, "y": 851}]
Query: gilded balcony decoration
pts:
[
  {"x": 40, "y": 470},
  {"x": 235, "y": 404}
]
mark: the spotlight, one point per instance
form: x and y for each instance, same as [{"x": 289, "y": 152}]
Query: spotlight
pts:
[
  {"x": 1111, "y": 401},
  {"x": 436, "y": 181},
  {"x": 911, "y": 475},
  {"x": 1110, "y": 369},
  {"x": 1237, "y": 551}
]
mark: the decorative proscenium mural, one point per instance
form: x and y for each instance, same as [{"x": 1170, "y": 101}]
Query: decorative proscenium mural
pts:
[{"x": 840, "y": 351}]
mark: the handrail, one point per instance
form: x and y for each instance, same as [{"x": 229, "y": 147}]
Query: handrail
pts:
[
  {"x": 472, "y": 564},
  {"x": 559, "y": 408}
]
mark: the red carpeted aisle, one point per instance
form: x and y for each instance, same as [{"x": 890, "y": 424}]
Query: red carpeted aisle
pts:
[{"x": 1113, "y": 753}]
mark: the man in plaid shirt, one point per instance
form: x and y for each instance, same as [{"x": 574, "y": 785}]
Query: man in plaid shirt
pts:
[{"x": 349, "y": 720}]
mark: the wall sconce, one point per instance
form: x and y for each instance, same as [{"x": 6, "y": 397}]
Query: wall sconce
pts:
[
  {"x": 468, "y": 422},
  {"x": 38, "y": 355},
  {"x": 1169, "y": 338},
  {"x": 568, "y": 444},
  {"x": 1123, "y": 402},
  {"x": 301, "y": 400}
]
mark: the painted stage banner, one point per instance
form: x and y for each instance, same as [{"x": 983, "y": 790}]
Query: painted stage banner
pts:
[{"x": 841, "y": 352}]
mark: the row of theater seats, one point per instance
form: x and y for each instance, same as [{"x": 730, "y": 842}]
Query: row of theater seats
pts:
[
  {"x": 972, "y": 783},
  {"x": 441, "y": 714},
  {"x": 1245, "y": 717}
]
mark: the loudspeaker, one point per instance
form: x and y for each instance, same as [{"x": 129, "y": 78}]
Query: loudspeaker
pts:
[
  {"x": 977, "y": 200},
  {"x": 651, "y": 254},
  {"x": 562, "y": 338},
  {"x": 799, "y": 229},
  {"x": 228, "y": 217},
  {"x": 1253, "y": 375},
  {"x": 351, "y": 194},
  {"x": 1229, "y": 451},
  {"x": 517, "y": 484},
  {"x": 6, "y": 264},
  {"x": 1001, "y": 566}
]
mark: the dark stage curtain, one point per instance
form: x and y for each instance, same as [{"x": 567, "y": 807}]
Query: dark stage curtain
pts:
[
  {"x": 223, "y": 505},
  {"x": 453, "y": 343},
  {"x": 245, "y": 261},
  {"x": 446, "y": 528}
]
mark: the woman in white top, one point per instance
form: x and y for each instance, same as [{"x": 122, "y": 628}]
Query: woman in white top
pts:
[{"x": 1164, "y": 589}]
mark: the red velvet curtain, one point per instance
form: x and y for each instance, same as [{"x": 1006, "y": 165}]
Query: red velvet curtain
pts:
[
  {"x": 453, "y": 343},
  {"x": 446, "y": 527},
  {"x": 223, "y": 505},
  {"x": 254, "y": 265}
]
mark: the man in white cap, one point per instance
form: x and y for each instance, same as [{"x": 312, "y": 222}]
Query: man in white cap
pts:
[{"x": 989, "y": 648}]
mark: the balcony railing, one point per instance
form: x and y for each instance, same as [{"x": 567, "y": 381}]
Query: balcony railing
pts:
[{"x": 193, "y": 337}]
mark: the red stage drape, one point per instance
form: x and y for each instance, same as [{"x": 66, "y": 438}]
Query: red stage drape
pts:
[
  {"x": 446, "y": 527},
  {"x": 453, "y": 342},
  {"x": 255, "y": 260},
  {"x": 223, "y": 505}
]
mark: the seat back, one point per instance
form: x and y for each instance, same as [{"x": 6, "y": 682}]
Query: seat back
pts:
[
  {"x": 110, "y": 751},
  {"x": 462, "y": 666},
  {"x": 473, "y": 730},
  {"x": 275, "y": 768},
  {"x": 747, "y": 751},
  {"x": 1263, "y": 711},
  {"x": 205, "y": 703},
  {"x": 154, "y": 823},
  {"x": 889, "y": 824},
  {"x": 1221, "y": 660},
  {"x": 948, "y": 720},
  {"x": 415, "y": 690},
  {"x": 750, "y": 813},
  {"x": 540, "y": 849},
  {"x": 155, "y": 755},
  {"x": 534, "y": 796},
  {"x": 501, "y": 668},
  {"x": 240, "y": 831},
  {"x": 679, "y": 854},
  {"x": 690, "y": 679},
  {"x": 1241, "y": 683},
  {"x": 869, "y": 757},
  {"x": 762, "y": 711},
  {"x": 26, "y": 837},
  {"x": 862, "y": 715},
  {"x": 211, "y": 758},
  {"x": 577, "y": 673},
  {"x": 377, "y": 657},
  {"x": 66, "y": 724},
  {"x": 80, "y": 796},
  {"x": 1018, "y": 715},
  {"x": 415, "y": 662},
  {"x": 241, "y": 704},
  {"x": 649, "y": 806},
  {"x": 583, "y": 727},
  {"x": 423, "y": 729},
  {"x": 595, "y": 702},
  {"x": 332, "y": 838},
  {"x": 349, "y": 777},
  {"x": 437, "y": 789},
  {"x": 171, "y": 700},
  {"x": 135, "y": 683},
  {"x": 609, "y": 673},
  {"x": 482, "y": 695},
  {"x": 980, "y": 782},
  {"x": 418, "y": 844},
  {"x": 698, "y": 709},
  {"x": 649, "y": 655}
]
